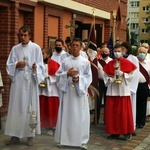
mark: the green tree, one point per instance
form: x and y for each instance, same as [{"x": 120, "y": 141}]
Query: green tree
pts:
[{"x": 127, "y": 34}]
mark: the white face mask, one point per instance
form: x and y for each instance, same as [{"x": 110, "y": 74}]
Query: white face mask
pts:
[{"x": 118, "y": 54}]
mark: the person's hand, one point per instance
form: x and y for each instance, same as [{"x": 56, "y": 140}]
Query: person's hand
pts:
[
  {"x": 72, "y": 72},
  {"x": 21, "y": 64},
  {"x": 34, "y": 66}
]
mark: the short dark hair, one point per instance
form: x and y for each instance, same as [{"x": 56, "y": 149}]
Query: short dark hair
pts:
[
  {"x": 68, "y": 39},
  {"x": 59, "y": 40},
  {"x": 102, "y": 44},
  {"x": 25, "y": 28},
  {"x": 77, "y": 40},
  {"x": 128, "y": 46},
  {"x": 118, "y": 46},
  {"x": 85, "y": 40}
]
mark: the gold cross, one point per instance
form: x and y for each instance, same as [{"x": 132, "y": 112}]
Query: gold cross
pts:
[{"x": 72, "y": 26}]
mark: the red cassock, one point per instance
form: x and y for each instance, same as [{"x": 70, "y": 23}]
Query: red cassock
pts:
[
  {"x": 118, "y": 109},
  {"x": 49, "y": 104}
]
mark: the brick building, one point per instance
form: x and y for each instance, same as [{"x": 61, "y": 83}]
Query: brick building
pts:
[{"x": 48, "y": 20}]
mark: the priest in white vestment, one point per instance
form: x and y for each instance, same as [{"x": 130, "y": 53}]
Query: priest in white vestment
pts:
[
  {"x": 26, "y": 70},
  {"x": 73, "y": 80}
]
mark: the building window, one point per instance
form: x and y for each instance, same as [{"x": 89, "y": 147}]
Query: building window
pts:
[
  {"x": 134, "y": 4},
  {"x": 134, "y": 14},
  {"x": 144, "y": 31},
  {"x": 134, "y": 25},
  {"x": 144, "y": 20},
  {"x": 146, "y": 8},
  {"x": 144, "y": 41}
]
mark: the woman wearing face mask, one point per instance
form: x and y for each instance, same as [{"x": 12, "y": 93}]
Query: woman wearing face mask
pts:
[
  {"x": 118, "y": 74},
  {"x": 143, "y": 90},
  {"x": 127, "y": 53}
]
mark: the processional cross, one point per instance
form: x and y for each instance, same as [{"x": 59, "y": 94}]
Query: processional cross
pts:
[{"x": 72, "y": 27}]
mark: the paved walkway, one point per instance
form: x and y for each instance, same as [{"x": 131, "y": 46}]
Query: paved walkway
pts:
[{"x": 98, "y": 141}]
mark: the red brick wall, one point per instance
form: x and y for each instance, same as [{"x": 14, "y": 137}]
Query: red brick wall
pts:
[
  {"x": 52, "y": 12},
  {"x": 8, "y": 29},
  {"x": 29, "y": 20},
  {"x": 9, "y": 26}
]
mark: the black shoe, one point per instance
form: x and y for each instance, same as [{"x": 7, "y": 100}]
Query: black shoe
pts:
[
  {"x": 113, "y": 136},
  {"x": 127, "y": 137},
  {"x": 140, "y": 126},
  {"x": 91, "y": 112},
  {"x": 134, "y": 134}
]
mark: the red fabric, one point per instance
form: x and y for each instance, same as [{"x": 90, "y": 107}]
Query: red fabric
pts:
[
  {"x": 94, "y": 70},
  {"x": 48, "y": 111},
  {"x": 125, "y": 65},
  {"x": 144, "y": 72},
  {"x": 118, "y": 115},
  {"x": 53, "y": 66},
  {"x": 99, "y": 54},
  {"x": 90, "y": 92}
]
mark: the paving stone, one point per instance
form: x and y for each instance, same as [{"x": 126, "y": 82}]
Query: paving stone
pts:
[{"x": 98, "y": 141}]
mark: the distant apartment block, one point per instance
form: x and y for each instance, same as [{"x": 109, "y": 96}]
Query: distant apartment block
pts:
[{"x": 136, "y": 18}]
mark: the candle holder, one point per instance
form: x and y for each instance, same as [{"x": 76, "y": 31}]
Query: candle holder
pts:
[
  {"x": 33, "y": 121},
  {"x": 43, "y": 84},
  {"x": 117, "y": 67}
]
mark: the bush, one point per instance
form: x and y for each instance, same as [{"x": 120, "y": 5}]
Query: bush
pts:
[{"x": 134, "y": 50}]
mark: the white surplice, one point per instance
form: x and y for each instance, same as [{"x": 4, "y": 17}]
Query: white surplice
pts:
[
  {"x": 24, "y": 89},
  {"x": 51, "y": 87},
  {"x": 73, "y": 124},
  {"x": 134, "y": 85},
  {"x": 57, "y": 56}
]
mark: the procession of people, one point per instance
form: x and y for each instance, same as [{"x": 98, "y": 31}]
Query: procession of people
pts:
[{"x": 55, "y": 89}]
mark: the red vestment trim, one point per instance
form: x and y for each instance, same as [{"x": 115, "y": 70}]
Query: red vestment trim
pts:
[
  {"x": 126, "y": 66},
  {"x": 53, "y": 66}
]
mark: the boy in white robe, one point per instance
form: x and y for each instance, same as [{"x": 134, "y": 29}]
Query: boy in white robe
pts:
[
  {"x": 73, "y": 80},
  {"x": 59, "y": 45}
]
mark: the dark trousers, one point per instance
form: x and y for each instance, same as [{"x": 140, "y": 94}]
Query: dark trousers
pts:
[
  {"x": 0, "y": 120},
  {"x": 141, "y": 103},
  {"x": 102, "y": 92}
]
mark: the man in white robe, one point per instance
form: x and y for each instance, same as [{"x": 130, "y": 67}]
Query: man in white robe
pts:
[
  {"x": 26, "y": 70},
  {"x": 127, "y": 50},
  {"x": 73, "y": 79}
]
